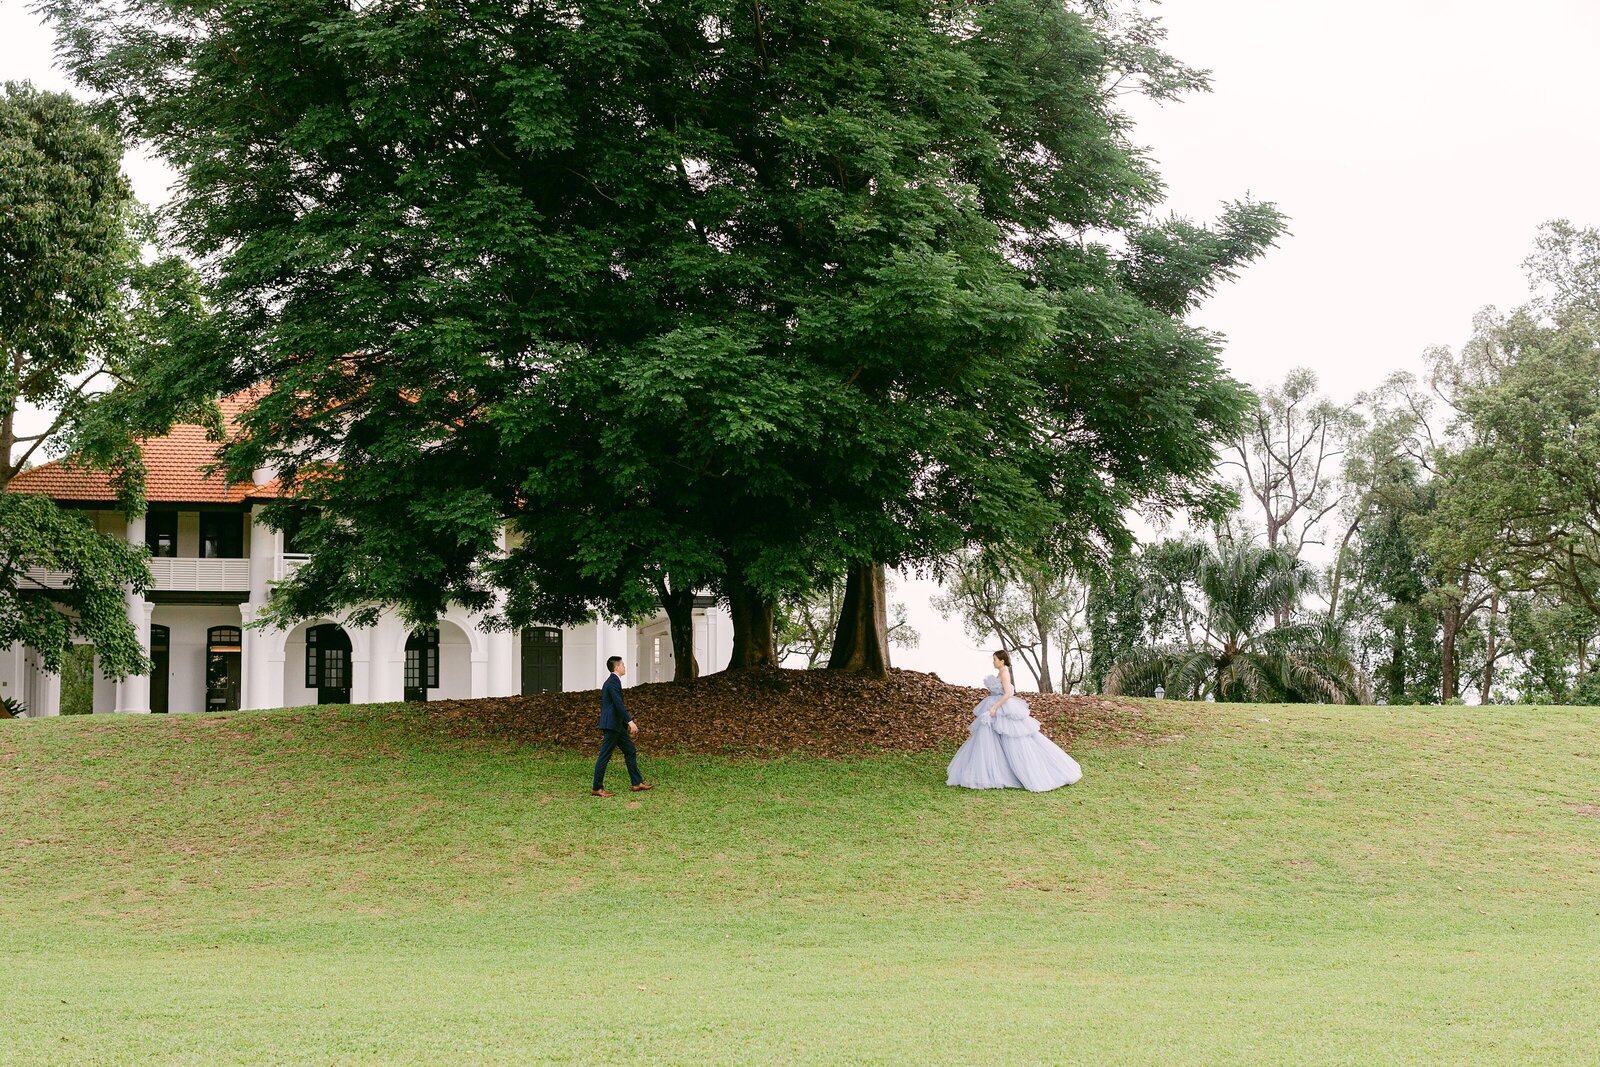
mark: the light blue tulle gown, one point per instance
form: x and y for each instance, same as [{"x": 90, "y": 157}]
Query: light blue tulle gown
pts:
[{"x": 1007, "y": 751}]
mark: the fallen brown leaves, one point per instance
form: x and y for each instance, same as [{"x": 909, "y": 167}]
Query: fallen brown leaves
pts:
[{"x": 770, "y": 712}]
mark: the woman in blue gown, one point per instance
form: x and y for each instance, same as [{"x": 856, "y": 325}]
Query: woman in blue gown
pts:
[{"x": 1006, "y": 749}]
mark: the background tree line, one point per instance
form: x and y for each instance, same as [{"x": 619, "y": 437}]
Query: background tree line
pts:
[{"x": 1437, "y": 539}]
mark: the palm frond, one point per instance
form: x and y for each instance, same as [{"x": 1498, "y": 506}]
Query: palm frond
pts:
[{"x": 1181, "y": 672}]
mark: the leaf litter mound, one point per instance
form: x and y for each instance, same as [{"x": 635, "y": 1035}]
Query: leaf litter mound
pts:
[{"x": 773, "y": 712}]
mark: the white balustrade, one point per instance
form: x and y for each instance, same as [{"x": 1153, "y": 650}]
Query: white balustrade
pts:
[
  {"x": 168, "y": 574},
  {"x": 190, "y": 575}
]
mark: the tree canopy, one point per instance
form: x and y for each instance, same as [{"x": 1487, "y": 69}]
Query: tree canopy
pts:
[{"x": 85, "y": 318}]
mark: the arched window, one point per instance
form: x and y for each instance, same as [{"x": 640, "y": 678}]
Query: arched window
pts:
[{"x": 221, "y": 639}]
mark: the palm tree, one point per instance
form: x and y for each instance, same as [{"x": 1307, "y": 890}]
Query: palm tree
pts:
[{"x": 1240, "y": 655}]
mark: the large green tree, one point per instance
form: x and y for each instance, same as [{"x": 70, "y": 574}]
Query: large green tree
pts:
[
  {"x": 84, "y": 319},
  {"x": 1551, "y": 644},
  {"x": 1394, "y": 604},
  {"x": 1289, "y": 457},
  {"x": 1525, "y": 490},
  {"x": 746, "y": 296}
]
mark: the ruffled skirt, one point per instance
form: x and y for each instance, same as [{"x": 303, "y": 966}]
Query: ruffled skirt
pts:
[{"x": 1008, "y": 751}]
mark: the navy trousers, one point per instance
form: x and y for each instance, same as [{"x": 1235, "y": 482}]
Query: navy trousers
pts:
[{"x": 610, "y": 740}]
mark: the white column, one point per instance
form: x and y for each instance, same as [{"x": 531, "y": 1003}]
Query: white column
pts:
[
  {"x": 719, "y": 643},
  {"x": 499, "y": 647},
  {"x": 700, "y": 636},
  {"x": 610, "y": 640},
  {"x": 387, "y": 673},
  {"x": 271, "y": 692},
  {"x": 46, "y": 694},
  {"x": 364, "y": 659},
  {"x": 252, "y": 668},
  {"x": 504, "y": 678},
  {"x": 262, "y": 684},
  {"x": 133, "y": 692},
  {"x": 263, "y": 557},
  {"x": 480, "y": 675},
  {"x": 13, "y": 673}
]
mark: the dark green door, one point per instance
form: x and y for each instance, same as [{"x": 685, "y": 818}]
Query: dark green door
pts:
[
  {"x": 160, "y": 667},
  {"x": 541, "y": 660}
]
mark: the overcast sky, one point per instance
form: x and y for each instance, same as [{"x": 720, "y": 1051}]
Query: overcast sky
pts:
[{"x": 1415, "y": 144}]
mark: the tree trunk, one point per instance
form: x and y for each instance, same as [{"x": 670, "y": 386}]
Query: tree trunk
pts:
[
  {"x": 8, "y": 438},
  {"x": 1280, "y": 612},
  {"x": 1046, "y": 683},
  {"x": 1334, "y": 585},
  {"x": 1447, "y": 652},
  {"x": 679, "y": 607},
  {"x": 751, "y": 615},
  {"x": 1397, "y": 663},
  {"x": 1491, "y": 650},
  {"x": 862, "y": 641}
]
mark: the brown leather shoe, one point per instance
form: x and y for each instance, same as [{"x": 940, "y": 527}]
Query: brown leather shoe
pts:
[
  {"x": 601, "y": 793},
  {"x": 641, "y": 787}
]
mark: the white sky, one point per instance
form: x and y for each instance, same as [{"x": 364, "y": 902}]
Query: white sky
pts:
[{"x": 1416, "y": 145}]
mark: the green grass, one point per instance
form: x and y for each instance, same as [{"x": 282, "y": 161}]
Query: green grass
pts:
[{"x": 1331, "y": 886}]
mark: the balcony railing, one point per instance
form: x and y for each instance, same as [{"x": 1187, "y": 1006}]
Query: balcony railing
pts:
[
  {"x": 200, "y": 575},
  {"x": 170, "y": 574}
]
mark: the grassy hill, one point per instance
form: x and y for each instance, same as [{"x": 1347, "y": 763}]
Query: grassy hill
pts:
[{"x": 1228, "y": 884}]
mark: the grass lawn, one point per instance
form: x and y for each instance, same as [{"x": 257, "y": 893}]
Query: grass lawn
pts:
[{"x": 1261, "y": 884}]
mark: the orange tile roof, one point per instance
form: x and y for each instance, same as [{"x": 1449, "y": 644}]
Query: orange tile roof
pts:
[{"x": 174, "y": 470}]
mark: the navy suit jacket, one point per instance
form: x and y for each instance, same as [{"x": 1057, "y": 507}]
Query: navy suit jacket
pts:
[{"x": 613, "y": 712}]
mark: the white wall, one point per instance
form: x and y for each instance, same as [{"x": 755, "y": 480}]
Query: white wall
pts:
[
  {"x": 378, "y": 662},
  {"x": 455, "y": 664},
  {"x": 579, "y": 651},
  {"x": 105, "y": 691},
  {"x": 186, "y": 655},
  {"x": 295, "y": 692},
  {"x": 713, "y": 646},
  {"x": 652, "y": 660}
]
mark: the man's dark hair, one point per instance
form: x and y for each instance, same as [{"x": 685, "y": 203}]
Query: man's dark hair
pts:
[{"x": 612, "y": 661}]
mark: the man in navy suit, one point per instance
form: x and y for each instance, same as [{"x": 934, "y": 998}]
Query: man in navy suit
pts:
[{"x": 617, "y": 730}]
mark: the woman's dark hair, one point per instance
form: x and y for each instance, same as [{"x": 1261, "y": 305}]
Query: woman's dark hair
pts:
[{"x": 1003, "y": 656}]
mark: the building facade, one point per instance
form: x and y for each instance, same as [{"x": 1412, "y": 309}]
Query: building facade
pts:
[{"x": 213, "y": 566}]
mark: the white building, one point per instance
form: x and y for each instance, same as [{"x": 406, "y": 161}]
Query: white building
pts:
[{"x": 214, "y": 564}]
